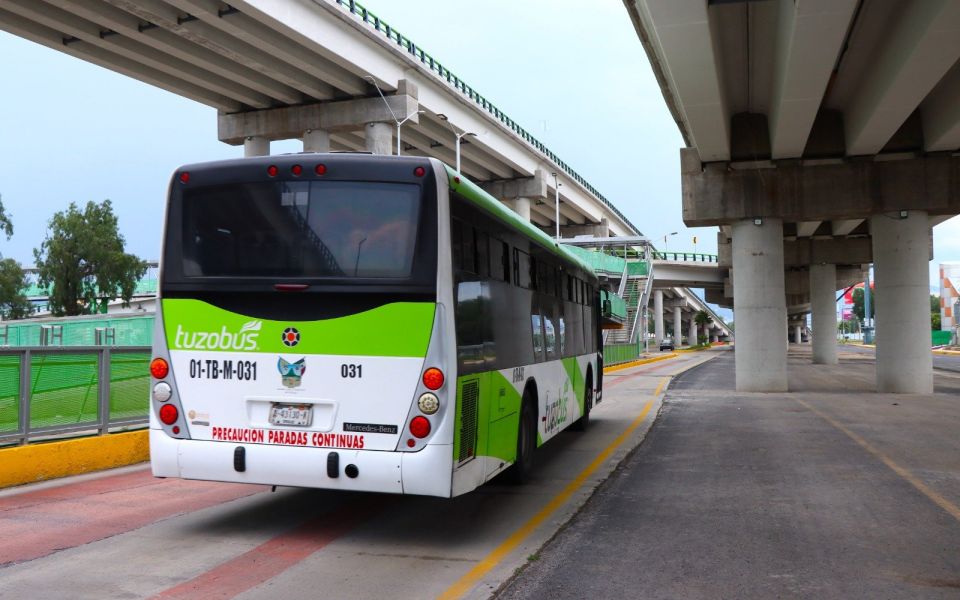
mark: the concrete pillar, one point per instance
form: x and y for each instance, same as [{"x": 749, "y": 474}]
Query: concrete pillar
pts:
[
  {"x": 379, "y": 138},
  {"x": 677, "y": 325},
  {"x": 256, "y": 146},
  {"x": 658, "y": 315},
  {"x": 692, "y": 333},
  {"x": 316, "y": 140},
  {"x": 901, "y": 251},
  {"x": 798, "y": 334},
  {"x": 521, "y": 206},
  {"x": 823, "y": 305},
  {"x": 759, "y": 305}
]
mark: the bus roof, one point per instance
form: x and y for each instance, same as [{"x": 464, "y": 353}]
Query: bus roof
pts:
[{"x": 481, "y": 198}]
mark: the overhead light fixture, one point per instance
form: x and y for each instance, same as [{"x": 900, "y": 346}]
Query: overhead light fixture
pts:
[
  {"x": 758, "y": 222},
  {"x": 903, "y": 214}
]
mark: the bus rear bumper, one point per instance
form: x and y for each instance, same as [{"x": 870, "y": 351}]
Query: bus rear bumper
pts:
[{"x": 427, "y": 472}]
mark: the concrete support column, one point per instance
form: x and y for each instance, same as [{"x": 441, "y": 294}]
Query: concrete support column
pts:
[
  {"x": 658, "y": 330},
  {"x": 677, "y": 325},
  {"x": 256, "y": 146},
  {"x": 692, "y": 333},
  {"x": 823, "y": 305},
  {"x": 760, "y": 306},
  {"x": 798, "y": 334},
  {"x": 316, "y": 140},
  {"x": 901, "y": 251},
  {"x": 379, "y": 138},
  {"x": 521, "y": 206}
]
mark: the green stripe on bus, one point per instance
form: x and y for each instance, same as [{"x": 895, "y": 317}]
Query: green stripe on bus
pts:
[{"x": 399, "y": 329}]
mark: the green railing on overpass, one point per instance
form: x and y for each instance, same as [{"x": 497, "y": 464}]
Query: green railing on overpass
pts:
[
  {"x": 434, "y": 65},
  {"x": 684, "y": 256},
  {"x": 57, "y": 392},
  {"x": 81, "y": 331},
  {"x": 143, "y": 287}
]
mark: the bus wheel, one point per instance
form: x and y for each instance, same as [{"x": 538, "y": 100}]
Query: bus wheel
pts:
[
  {"x": 582, "y": 423},
  {"x": 526, "y": 443}
]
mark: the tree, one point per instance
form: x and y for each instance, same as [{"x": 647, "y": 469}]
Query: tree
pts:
[
  {"x": 858, "y": 308},
  {"x": 83, "y": 260},
  {"x": 13, "y": 303},
  {"x": 701, "y": 318},
  {"x": 934, "y": 312},
  {"x": 6, "y": 225}
]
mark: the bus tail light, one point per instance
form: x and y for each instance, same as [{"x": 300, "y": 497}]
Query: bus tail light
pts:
[
  {"x": 433, "y": 378},
  {"x": 296, "y": 170},
  {"x": 428, "y": 403},
  {"x": 272, "y": 170},
  {"x": 185, "y": 177},
  {"x": 419, "y": 427},
  {"x": 320, "y": 169},
  {"x": 162, "y": 392},
  {"x": 419, "y": 171},
  {"x": 169, "y": 414},
  {"x": 159, "y": 368}
]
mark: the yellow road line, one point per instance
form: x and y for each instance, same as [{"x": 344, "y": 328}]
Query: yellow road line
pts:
[
  {"x": 465, "y": 583},
  {"x": 912, "y": 479}
]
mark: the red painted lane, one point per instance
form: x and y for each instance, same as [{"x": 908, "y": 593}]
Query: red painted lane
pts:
[
  {"x": 642, "y": 370},
  {"x": 271, "y": 558},
  {"x": 39, "y": 523}
]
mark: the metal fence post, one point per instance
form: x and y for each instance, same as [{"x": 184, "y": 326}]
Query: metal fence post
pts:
[
  {"x": 25, "y": 359},
  {"x": 103, "y": 389}
]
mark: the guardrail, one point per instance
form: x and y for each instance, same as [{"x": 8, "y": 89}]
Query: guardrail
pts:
[
  {"x": 684, "y": 256},
  {"x": 50, "y": 392},
  {"x": 614, "y": 354},
  {"x": 458, "y": 84}
]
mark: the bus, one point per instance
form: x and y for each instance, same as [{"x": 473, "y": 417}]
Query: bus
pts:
[{"x": 360, "y": 322}]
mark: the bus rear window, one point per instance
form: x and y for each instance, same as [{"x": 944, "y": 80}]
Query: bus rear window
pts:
[{"x": 317, "y": 229}]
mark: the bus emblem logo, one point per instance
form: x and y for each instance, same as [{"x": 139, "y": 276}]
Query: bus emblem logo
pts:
[
  {"x": 291, "y": 373},
  {"x": 291, "y": 337}
]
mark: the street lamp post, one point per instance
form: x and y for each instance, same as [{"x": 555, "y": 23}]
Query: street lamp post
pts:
[
  {"x": 393, "y": 114},
  {"x": 459, "y": 135},
  {"x": 665, "y": 236},
  {"x": 557, "y": 185}
]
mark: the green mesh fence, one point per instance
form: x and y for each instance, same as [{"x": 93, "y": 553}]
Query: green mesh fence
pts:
[
  {"x": 128, "y": 331},
  {"x": 63, "y": 389},
  {"x": 129, "y": 384},
  {"x": 9, "y": 393},
  {"x": 620, "y": 353},
  {"x": 941, "y": 338}
]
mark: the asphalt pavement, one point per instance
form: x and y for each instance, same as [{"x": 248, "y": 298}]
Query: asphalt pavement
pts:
[{"x": 830, "y": 491}]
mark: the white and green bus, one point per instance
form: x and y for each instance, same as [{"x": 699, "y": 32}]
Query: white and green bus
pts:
[{"x": 360, "y": 322}]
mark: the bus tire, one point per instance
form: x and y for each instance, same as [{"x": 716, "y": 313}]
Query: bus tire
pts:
[
  {"x": 522, "y": 468},
  {"x": 583, "y": 422}
]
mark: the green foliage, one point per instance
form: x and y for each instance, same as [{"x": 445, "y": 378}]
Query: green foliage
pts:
[
  {"x": 83, "y": 258},
  {"x": 858, "y": 304},
  {"x": 13, "y": 304},
  {"x": 701, "y": 318},
  {"x": 934, "y": 303},
  {"x": 6, "y": 225}
]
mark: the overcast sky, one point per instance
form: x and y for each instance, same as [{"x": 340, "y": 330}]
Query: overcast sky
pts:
[{"x": 573, "y": 73}]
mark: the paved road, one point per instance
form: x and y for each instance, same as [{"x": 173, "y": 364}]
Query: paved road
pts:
[
  {"x": 124, "y": 534},
  {"x": 941, "y": 362},
  {"x": 829, "y": 492}
]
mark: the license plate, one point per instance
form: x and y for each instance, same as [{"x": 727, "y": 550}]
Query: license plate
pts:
[{"x": 298, "y": 415}]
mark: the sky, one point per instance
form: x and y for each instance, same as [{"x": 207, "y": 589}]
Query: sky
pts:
[{"x": 573, "y": 73}]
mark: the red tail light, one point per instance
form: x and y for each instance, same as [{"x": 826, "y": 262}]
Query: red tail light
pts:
[
  {"x": 296, "y": 170},
  {"x": 433, "y": 378},
  {"x": 184, "y": 177},
  {"x": 272, "y": 170},
  {"x": 159, "y": 368},
  {"x": 419, "y": 171},
  {"x": 321, "y": 170},
  {"x": 169, "y": 414},
  {"x": 420, "y": 427}
]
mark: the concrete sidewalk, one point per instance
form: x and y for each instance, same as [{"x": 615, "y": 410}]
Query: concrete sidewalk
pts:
[{"x": 831, "y": 491}]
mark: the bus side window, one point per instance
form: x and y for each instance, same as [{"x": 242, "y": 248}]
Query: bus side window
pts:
[
  {"x": 523, "y": 265},
  {"x": 483, "y": 254},
  {"x": 456, "y": 238},
  {"x": 536, "y": 323},
  {"x": 498, "y": 260},
  {"x": 468, "y": 250}
]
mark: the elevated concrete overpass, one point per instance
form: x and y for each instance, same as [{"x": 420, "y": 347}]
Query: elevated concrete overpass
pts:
[{"x": 821, "y": 136}]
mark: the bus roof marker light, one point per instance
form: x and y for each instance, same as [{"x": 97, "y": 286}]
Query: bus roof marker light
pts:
[
  {"x": 159, "y": 368},
  {"x": 272, "y": 170},
  {"x": 419, "y": 427},
  {"x": 297, "y": 170},
  {"x": 419, "y": 171},
  {"x": 433, "y": 378},
  {"x": 185, "y": 177},
  {"x": 320, "y": 169},
  {"x": 456, "y": 179}
]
